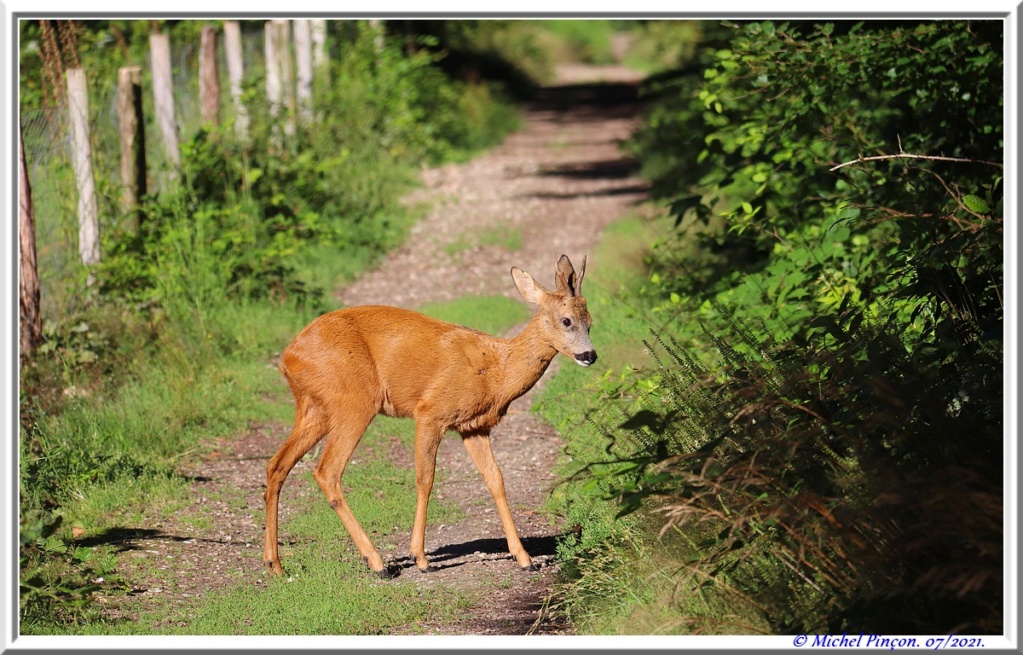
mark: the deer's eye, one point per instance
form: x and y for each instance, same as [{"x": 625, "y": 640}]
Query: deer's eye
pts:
[{"x": 567, "y": 322}]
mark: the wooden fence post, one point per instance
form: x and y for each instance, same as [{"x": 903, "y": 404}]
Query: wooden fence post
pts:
[
  {"x": 235, "y": 71},
  {"x": 209, "y": 82},
  {"x": 31, "y": 319},
  {"x": 304, "y": 77},
  {"x": 271, "y": 44},
  {"x": 81, "y": 160},
  {"x": 163, "y": 95},
  {"x": 378, "y": 38},
  {"x": 287, "y": 74},
  {"x": 319, "y": 36},
  {"x": 278, "y": 72},
  {"x": 133, "y": 140}
]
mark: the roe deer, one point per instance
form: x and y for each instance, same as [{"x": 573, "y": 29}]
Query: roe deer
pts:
[{"x": 349, "y": 365}]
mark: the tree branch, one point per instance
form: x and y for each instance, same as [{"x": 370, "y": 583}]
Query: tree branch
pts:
[{"x": 906, "y": 155}]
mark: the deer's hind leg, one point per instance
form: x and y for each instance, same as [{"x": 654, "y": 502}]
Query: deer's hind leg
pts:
[
  {"x": 348, "y": 421},
  {"x": 478, "y": 446},
  {"x": 428, "y": 438},
  {"x": 310, "y": 426}
]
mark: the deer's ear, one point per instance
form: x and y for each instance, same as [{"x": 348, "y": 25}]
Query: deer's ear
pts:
[
  {"x": 568, "y": 282},
  {"x": 527, "y": 286}
]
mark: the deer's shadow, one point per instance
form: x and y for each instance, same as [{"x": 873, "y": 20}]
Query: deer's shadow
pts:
[{"x": 453, "y": 555}]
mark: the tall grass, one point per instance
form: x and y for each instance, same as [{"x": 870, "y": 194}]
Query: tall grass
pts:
[
  {"x": 794, "y": 455},
  {"x": 175, "y": 341},
  {"x": 735, "y": 484},
  {"x": 613, "y": 570}
]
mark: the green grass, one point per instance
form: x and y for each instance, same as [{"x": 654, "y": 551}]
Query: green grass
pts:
[
  {"x": 491, "y": 314},
  {"x": 327, "y": 266},
  {"x": 157, "y": 421},
  {"x": 613, "y": 286},
  {"x": 145, "y": 429},
  {"x": 328, "y": 597},
  {"x": 502, "y": 236},
  {"x": 498, "y": 236},
  {"x": 327, "y": 590},
  {"x": 618, "y": 576}
]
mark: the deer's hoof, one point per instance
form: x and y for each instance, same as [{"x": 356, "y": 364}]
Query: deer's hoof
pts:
[
  {"x": 274, "y": 568},
  {"x": 388, "y": 573}
]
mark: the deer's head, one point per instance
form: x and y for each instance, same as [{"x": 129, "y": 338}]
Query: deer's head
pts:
[{"x": 562, "y": 314}]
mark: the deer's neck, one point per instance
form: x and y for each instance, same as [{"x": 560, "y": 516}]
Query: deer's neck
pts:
[{"x": 529, "y": 356}]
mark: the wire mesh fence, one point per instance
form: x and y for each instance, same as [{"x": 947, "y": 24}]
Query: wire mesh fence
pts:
[{"x": 47, "y": 141}]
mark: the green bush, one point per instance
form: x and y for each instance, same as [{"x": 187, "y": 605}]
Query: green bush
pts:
[
  {"x": 829, "y": 486},
  {"x": 56, "y": 576},
  {"x": 753, "y": 183},
  {"x": 836, "y": 329}
]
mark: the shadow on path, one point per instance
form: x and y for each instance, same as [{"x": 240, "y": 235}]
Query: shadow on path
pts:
[
  {"x": 127, "y": 539},
  {"x": 596, "y": 97},
  {"x": 454, "y": 555}
]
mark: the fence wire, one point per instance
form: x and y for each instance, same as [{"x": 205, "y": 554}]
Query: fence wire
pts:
[{"x": 47, "y": 140}]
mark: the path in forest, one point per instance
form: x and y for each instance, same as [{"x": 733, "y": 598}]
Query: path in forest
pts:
[{"x": 557, "y": 182}]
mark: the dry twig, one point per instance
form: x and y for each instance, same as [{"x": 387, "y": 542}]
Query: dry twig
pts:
[{"x": 906, "y": 155}]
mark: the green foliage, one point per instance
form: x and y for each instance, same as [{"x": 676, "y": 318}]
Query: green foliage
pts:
[
  {"x": 509, "y": 53},
  {"x": 57, "y": 577},
  {"x": 826, "y": 334},
  {"x": 759, "y": 140},
  {"x": 660, "y": 45},
  {"x": 912, "y": 240},
  {"x": 168, "y": 339},
  {"x": 580, "y": 40}
]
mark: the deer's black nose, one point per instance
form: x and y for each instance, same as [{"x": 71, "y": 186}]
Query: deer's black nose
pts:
[{"x": 586, "y": 358}]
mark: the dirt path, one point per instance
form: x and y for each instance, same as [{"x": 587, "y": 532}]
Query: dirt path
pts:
[
  {"x": 558, "y": 182},
  {"x": 549, "y": 189}
]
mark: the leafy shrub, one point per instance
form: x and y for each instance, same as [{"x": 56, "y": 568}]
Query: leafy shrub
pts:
[
  {"x": 829, "y": 485},
  {"x": 837, "y": 332},
  {"x": 753, "y": 183},
  {"x": 57, "y": 578},
  {"x": 238, "y": 224}
]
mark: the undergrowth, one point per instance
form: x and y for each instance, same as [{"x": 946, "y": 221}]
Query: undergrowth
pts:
[
  {"x": 822, "y": 339},
  {"x": 171, "y": 339}
]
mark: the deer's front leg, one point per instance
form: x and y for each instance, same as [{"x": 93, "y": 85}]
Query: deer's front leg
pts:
[
  {"x": 478, "y": 445},
  {"x": 428, "y": 438}
]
